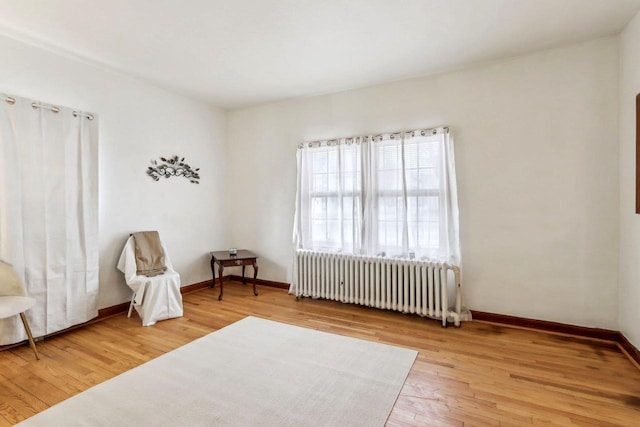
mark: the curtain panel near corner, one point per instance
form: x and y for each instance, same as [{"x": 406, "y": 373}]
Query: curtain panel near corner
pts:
[
  {"x": 391, "y": 195},
  {"x": 329, "y": 198},
  {"x": 410, "y": 192},
  {"x": 49, "y": 214}
]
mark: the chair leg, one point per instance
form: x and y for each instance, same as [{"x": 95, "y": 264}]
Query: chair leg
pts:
[
  {"x": 32, "y": 343},
  {"x": 131, "y": 305}
]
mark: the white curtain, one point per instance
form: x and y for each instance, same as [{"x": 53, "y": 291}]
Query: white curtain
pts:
[
  {"x": 49, "y": 213},
  {"x": 391, "y": 194},
  {"x": 329, "y": 200}
]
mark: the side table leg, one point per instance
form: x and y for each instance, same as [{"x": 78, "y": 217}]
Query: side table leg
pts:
[
  {"x": 213, "y": 272},
  {"x": 255, "y": 277},
  {"x": 244, "y": 282},
  {"x": 220, "y": 271}
]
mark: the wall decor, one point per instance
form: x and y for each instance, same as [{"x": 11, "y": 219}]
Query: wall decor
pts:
[{"x": 173, "y": 166}]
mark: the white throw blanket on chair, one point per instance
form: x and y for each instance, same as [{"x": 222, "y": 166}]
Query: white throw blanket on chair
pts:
[{"x": 155, "y": 298}]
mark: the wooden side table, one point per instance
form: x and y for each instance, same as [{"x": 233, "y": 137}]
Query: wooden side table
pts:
[{"x": 224, "y": 259}]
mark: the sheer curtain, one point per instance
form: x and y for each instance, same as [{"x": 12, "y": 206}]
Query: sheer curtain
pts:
[
  {"x": 393, "y": 195},
  {"x": 329, "y": 200},
  {"x": 49, "y": 212}
]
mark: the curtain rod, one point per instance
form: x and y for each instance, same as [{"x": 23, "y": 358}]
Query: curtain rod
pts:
[
  {"x": 11, "y": 101},
  {"x": 392, "y": 135},
  {"x": 53, "y": 108}
]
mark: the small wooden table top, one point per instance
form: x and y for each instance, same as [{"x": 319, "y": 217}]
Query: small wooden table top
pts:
[
  {"x": 241, "y": 255},
  {"x": 224, "y": 259}
]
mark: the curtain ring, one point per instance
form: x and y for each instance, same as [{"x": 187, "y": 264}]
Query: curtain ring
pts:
[
  {"x": 46, "y": 107},
  {"x": 88, "y": 116}
]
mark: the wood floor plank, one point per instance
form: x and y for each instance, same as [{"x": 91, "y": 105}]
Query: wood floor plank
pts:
[{"x": 478, "y": 375}]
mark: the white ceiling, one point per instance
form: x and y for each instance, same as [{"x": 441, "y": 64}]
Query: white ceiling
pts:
[{"x": 236, "y": 53}]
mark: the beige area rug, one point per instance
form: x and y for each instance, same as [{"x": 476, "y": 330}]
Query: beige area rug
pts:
[{"x": 254, "y": 372}]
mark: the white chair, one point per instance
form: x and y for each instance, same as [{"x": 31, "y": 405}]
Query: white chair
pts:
[
  {"x": 154, "y": 298},
  {"x": 12, "y": 303}
]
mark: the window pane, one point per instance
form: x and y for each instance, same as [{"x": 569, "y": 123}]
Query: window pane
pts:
[
  {"x": 348, "y": 183},
  {"x": 425, "y": 156},
  {"x": 318, "y": 230},
  {"x": 433, "y": 205},
  {"x": 319, "y": 182},
  {"x": 348, "y": 233},
  {"x": 320, "y": 161},
  {"x": 318, "y": 208},
  {"x": 348, "y": 160},
  {"x": 391, "y": 233},
  {"x": 387, "y": 208},
  {"x": 429, "y": 179},
  {"x": 332, "y": 208},
  {"x": 347, "y": 207},
  {"x": 389, "y": 155},
  {"x": 333, "y": 232},
  {"x": 332, "y": 161},
  {"x": 434, "y": 234},
  {"x": 332, "y": 183},
  {"x": 423, "y": 234},
  {"x": 389, "y": 181},
  {"x": 427, "y": 208},
  {"x": 412, "y": 179},
  {"x": 411, "y": 155},
  {"x": 412, "y": 206}
]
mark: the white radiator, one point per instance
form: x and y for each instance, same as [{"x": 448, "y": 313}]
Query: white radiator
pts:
[{"x": 405, "y": 285}]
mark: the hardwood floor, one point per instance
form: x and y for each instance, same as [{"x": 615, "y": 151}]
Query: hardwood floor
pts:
[{"x": 479, "y": 374}]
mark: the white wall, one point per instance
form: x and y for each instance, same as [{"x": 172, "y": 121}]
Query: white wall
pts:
[
  {"x": 629, "y": 318},
  {"x": 138, "y": 122},
  {"x": 537, "y": 159},
  {"x": 537, "y": 155}
]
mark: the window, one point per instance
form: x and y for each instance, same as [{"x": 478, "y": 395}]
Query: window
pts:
[
  {"x": 393, "y": 194},
  {"x": 335, "y": 197},
  {"x": 408, "y": 173}
]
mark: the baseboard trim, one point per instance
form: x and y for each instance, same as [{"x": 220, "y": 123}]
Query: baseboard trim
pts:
[
  {"x": 261, "y": 282},
  {"x": 103, "y": 313},
  {"x": 562, "y": 328},
  {"x": 629, "y": 349},
  {"x": 106, "y": 312},
  {"x": 196, "y": 286},
  {"x": 541, "y": 325},
  {"x": 544, "y": 325}
]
